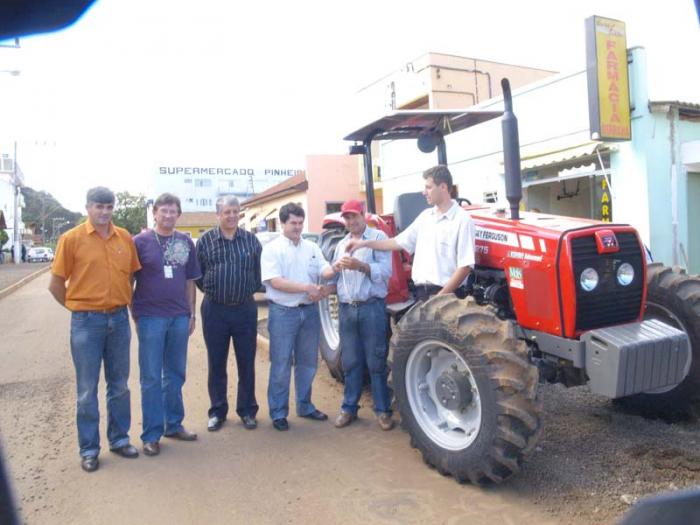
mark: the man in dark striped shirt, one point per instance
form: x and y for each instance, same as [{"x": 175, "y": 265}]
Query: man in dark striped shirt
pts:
[{"x": 230, "y": 260}]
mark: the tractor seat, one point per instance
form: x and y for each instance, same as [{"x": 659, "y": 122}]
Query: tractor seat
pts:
[{"x": 407, "y": 207}]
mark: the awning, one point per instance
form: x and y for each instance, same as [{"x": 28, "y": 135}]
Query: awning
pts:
[{"x": 576, "y": 155}]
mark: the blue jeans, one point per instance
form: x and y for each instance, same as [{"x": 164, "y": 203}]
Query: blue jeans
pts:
[
  {"x": 363, "y": 341},
  {"x": 162, "y": 363},
  {"x": 95, "y": 337},
  {"x": 294, "y": 334},
  {"x": 221, "y": 324}
]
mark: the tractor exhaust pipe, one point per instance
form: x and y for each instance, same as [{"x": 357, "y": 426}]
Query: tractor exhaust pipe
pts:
[{"x": 511, "y": 153}]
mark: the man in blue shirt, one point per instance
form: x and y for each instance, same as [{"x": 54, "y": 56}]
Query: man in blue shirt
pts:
[
  {"x": 164, "y": 311},
  {"x": 361, "y": 281}
]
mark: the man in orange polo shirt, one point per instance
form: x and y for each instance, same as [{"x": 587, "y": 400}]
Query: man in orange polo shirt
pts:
[{"x": 91, "y": 276}]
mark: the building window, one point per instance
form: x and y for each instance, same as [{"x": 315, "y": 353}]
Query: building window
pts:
[
  {"x": 333, "y": 207},
  {"x": 491, "y": 197}
]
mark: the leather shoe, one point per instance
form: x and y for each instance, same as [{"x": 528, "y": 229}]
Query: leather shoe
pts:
[
  {"x": 182, "y": 435},
  {"x": 280, "y": 424},
  {"x": 127, "y": 451},
  {"x": 90, "y": 463},
  {"x": 344, "y": 419},
  {"x": 316, "y": 415},
  {"x": 215, "y": 423},
  {"x": 385, "y": 421},
  {"x": 249, "y": 422},
  {"x": 152, "y": 448}
]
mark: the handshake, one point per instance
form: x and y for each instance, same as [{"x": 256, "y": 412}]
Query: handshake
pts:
[{"x": 316, "y": 292}]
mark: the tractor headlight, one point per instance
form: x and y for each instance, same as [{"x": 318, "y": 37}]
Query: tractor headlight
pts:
[
  {"x": 625, "y": 274},
  {"x": 589, "y": 279}
]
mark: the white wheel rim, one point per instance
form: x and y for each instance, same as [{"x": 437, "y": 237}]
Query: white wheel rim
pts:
[
  {"x": 328, "y": 310},
  {"x": 679, "y": 325},
  {"x": 452, "y": 429}
]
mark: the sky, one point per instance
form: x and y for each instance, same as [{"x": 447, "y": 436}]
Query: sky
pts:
[{"x": 134, "y": 85}]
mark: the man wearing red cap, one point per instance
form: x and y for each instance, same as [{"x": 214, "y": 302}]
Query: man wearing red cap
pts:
[{"x": 361, "y": 282}]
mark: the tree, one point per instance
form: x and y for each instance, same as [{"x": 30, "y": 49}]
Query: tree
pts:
[
  {"x": 130, "y": 212},
  {"x": 3, "y": 238},
  {"x": 48, "y": 216}
]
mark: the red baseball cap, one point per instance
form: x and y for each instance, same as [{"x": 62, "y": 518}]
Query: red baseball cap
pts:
[{"x": 351, "y": 206}]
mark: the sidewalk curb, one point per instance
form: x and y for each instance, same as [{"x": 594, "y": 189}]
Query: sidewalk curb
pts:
[{"x": 24, "y": 280}]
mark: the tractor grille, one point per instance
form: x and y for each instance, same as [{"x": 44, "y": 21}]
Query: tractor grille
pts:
[{"x": 609, "y": 303}]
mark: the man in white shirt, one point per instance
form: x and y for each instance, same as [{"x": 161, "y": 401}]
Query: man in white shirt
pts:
[
  {"x": 362, "y": 286},
  {"x": 291, "y": 269},
  {"x": 441, "y": 237}
]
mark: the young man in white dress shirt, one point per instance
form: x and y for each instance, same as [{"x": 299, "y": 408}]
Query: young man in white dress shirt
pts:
[
  {"x": 441, "y": 239},
  {"x": 291, "y": 270}
]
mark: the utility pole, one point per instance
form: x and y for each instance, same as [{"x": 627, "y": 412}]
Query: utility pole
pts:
[
  {"x": 61, "y": 222},
  {"x": 17, "y": 246}
]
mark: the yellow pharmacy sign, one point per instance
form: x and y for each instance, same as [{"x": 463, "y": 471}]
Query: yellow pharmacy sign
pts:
[{"x": 608, "y": 82}]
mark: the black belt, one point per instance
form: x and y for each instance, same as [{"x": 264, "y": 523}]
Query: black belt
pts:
[
  {"x": 230, "y": 304},
  {"x": 356, "y": 304},
  {"x": 428, "y": 289},
  {"x": 108, "y": 311},
  {"x": 297, "y": 306}
]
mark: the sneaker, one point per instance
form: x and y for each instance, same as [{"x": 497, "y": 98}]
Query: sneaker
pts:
[
  {"x": 385, "y": 421},
  {"x": 344, "y": 419}
]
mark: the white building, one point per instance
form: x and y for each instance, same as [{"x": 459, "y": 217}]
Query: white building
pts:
[
  {"x": 10, "y": 182},
  {"x": 198, "y": 186}
]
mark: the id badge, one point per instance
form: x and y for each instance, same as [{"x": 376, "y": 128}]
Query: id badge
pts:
[{"x": 168, "y": 271}]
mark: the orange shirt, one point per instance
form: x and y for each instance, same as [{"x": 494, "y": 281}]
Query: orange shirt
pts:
[{"x": 98, "y": 270}]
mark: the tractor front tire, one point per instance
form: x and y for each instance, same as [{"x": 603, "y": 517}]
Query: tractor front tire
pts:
[
  {"x": 467, "y": 394},
  {"x": 329, "y": 342},
  {"x": 673, "y": 297}
]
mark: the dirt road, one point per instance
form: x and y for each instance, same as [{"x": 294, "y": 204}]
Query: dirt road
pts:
[{"x": 589, "y": 458}]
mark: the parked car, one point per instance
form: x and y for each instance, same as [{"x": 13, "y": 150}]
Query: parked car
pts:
[{"x": 39, "y": 254}]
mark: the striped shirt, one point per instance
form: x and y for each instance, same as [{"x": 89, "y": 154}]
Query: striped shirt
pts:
[{"x": 230, "y": 267}]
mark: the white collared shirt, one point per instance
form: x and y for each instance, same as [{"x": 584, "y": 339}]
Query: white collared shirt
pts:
[
  {"x": 301, "y": 263},
  {"x": 442, "y": 242}
]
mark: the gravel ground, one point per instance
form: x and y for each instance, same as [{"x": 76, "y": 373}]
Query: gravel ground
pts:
[{"x": 594, "y": 460}]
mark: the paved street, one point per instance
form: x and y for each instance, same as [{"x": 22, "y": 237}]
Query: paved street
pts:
[
  {"x": 312, "y": 474},
  {"x": 11, "y": 273}
]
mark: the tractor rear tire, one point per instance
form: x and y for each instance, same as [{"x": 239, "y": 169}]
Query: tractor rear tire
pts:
[
  {"x": 467, "y": 394},
  {"x": 673, "y": 297},
  {"x": 329, "y": 342}
]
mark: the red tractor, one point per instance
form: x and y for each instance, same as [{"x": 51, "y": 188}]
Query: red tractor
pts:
[{"x": 552, "y": 298}]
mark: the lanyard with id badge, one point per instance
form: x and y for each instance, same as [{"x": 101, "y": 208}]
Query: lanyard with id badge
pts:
[{"x": 167, "y": 266}]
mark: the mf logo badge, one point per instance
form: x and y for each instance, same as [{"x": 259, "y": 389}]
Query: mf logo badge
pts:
[{"x": 516, "y": 277}]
